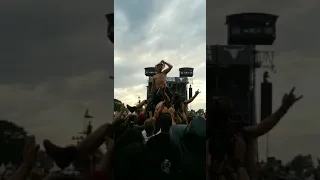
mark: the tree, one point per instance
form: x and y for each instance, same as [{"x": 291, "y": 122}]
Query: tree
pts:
[
  {"x": 192, "y": 112},
  {"x": 117, "y": 105},
  {"x": 12, "y": 139},
  {"x": 300, "y": 164},
  {"x": 200, "y": 112}
]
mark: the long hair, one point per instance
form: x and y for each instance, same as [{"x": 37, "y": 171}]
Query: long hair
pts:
[{"x": 219, "y": 114}]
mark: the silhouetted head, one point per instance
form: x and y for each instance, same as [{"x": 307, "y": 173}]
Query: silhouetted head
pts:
[
  {"x": 219, "y": 113},
  {"x": 164, "y": 122},
  {"x": 149, "y": 126}
]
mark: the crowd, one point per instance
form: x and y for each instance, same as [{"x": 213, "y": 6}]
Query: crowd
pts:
[
  {"x": 156, "y": 140},
  {"x": 159, "y": 140}
]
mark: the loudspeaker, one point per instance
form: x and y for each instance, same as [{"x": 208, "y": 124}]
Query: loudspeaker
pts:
[
  {"x": 266, "y": 100},
  {"x": 190, "y": 92}
]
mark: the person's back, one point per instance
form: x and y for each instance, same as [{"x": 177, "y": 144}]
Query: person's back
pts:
[
  {"x": 163, "y": 154},
  {"x": 132, "y": 156},
  {"x": 164, "y": 158},
  {"x": 189, "y": 140}
]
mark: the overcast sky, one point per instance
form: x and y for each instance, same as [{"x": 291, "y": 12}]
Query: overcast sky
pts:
[
  {"x": 147, "y": 31},
  {"x": 297, "y": 64},
  {"x": 55, "y": 62}
]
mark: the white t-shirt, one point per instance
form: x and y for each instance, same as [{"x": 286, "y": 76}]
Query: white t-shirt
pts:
[{"x": 144, "y": 134}]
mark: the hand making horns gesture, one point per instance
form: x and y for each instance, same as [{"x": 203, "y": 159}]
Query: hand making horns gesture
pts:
[
  {"x": 289, "y": 99},
  {"x": 197, "y": 92}
]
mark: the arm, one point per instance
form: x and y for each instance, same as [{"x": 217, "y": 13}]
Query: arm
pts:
[
  {"x": 166, "y": 71},
  {"x": 166, "y": 97},
  {"x": 158, "y": 112},
  {"x": 119, "y": 115},
  {"x": 140, "y": 105},
  {"x": 192, "y": 98},
  {"x": 267, "y": 124},
  {"x": 31, "y": 150},
  {"x": 171, "y": 111},
  {"x": 106, "y": 163},
  {"x": 21, "y": 173}
]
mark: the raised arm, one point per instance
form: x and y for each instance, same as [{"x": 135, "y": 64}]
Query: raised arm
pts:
[
  {"x": 193, "y": 97},
  {"x": 158, "y": 111},
  {"x": 119, "y": 115},
  {"x": 267, "y": 124},
  {"x": 30, "y": 152},
  {"x": 166, "y": 71},
  {"x": 165, "y": 95}
]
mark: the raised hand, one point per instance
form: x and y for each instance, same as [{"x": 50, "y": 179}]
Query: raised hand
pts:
[
  {"x": 123, "y": 108},
  {"x": 30, "y": 152},
  {"x": 289, "y": 99},
  {"x": 197, "y": 92}
]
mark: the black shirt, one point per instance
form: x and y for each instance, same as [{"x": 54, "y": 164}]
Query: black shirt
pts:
[{"x": 164, "y": 157}]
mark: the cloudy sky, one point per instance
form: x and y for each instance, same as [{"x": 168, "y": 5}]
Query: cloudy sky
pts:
[
  {"x": 297, "y": 64},
  {"x": 147, "y": 31},
  {"x": 55, "y": 62}
]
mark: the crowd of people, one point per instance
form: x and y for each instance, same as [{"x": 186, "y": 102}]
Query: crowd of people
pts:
[
  {"x": 161, "y": 140},
  {"x": 157, "y": 140}
]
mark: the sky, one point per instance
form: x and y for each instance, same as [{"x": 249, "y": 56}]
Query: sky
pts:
[
  {"x": 297, "y": 64},
  {"x": 56, "y": 60},
  {"x": 147, "y": 31}
]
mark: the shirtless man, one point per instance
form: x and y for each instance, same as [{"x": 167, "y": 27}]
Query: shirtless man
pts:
[
  {"x": 231, "y": 149},
  {"x": 159, "y": 82}
]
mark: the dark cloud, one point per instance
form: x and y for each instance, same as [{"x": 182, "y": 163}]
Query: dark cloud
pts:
[
  {"x": 46, "y": 39},
  {"x": 56, "y": 61},
  {"x": 296, "y": 61}
]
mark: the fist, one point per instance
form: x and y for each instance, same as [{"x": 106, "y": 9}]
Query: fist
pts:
[{"x": 122, "y": 107}]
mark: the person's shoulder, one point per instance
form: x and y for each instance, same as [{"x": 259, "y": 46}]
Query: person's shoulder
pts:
[
  {"x": 177, "y": 128},
  {"x": 176, "y": 133}
]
